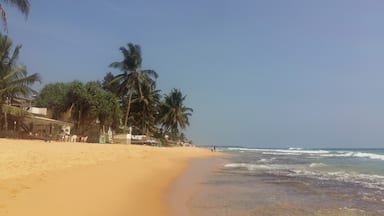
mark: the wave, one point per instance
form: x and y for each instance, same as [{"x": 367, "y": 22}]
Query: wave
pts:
[
  {"x": 372, "y": 156},
  {"x": 366, "y": 180},
  {"x": 266, "y": 160},
  {"x": 247, "y": 166},
  {"x": 312, "y": 170},
  {"x": 294, "y": 148},
  {"x": 369, "y": 155},
  {"x": 313, "y": 153},
  {"x": 317, "y": 165},
  {"x": 273, "y": 151},
  {"x": 242, "y": 149}
]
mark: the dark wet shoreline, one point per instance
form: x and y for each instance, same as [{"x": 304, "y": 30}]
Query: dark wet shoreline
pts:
[{"x": 233, "y": 192}]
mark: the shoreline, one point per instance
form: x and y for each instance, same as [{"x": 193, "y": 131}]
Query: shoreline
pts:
[
  {"x": 82, "y": 179},
  {"x": 183, "y": 187}
]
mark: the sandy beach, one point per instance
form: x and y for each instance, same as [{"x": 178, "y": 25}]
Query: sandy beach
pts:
[{"x": 41, "y": 178}]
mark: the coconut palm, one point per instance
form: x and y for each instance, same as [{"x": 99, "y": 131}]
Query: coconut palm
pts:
[
  {"x": 22, "y": 5},
  {"x": 174, "y": 114},
  {"x": 146, "y": 108},
  {"x": 14, "y": 79},
  {"x": 132, "y": 74}
]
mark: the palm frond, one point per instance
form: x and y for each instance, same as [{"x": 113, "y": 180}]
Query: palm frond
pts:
[
  {"x": 3, "y": 16},
  {"x": 22, "y": 5}
]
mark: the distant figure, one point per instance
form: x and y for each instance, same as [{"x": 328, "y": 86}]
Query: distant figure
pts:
[{"x": 213, "y": 149}]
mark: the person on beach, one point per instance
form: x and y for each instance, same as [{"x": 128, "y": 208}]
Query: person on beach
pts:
[{"x": 213, "y": 149}]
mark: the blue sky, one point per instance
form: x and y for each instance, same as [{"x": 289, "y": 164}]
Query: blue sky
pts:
[{"x": 265, "y": 73}]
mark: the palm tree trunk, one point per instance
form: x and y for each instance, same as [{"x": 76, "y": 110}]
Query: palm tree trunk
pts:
[
  {"x": 79, "y": 122},
  {"x": 5, "y": 120},
  {"x": 6, "y": 115},
  {"x": 128, "y": 109},
  {"x": 140, "y": 92}
]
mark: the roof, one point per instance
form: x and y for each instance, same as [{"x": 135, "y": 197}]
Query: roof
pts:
[{"x": 44, "y": 121}]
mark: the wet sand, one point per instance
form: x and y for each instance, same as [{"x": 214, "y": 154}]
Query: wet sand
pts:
[
  {"x": 39, "y": 178},
  {"x": 233, "y": 193},
  {"x": 185, "y": 186}
]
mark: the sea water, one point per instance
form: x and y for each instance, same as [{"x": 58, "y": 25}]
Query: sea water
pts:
[{"x": 293, "y": 182}]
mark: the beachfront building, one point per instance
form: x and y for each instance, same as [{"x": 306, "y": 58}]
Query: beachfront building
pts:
[{"x": 24, "y": 120}]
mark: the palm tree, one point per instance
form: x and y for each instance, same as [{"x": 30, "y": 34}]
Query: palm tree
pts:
[
  {"x": 22, "y": 5},
  {"x": 14, "y": 79},
  {"x": 132, "y": 75},
  {"x": 146, "y": 107},
  {"x": 174, "y": 114}
]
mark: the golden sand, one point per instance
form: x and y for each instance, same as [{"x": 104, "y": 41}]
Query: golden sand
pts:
[{"x": 41, "y": 178}]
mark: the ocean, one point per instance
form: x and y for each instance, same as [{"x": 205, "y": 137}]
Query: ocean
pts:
[{"x": 293, "y": 182}]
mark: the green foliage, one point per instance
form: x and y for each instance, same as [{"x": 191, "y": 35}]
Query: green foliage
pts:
[
  {"x": 103, "y": 105},
  {"x": 53, "y": 96},
  {"x": 132, "y": 77},
  {"x": 173, "y": 114},
  {"x": 108, "y": 85},
  {"x": 137, "y": 91},
  {"x": 133, "y": 90},
  {"x": 146, "y": 108},
  {"x": 16, "y": 111},
  {"x": 84, "y": 102},
  {"x": 14, "y": 79}
]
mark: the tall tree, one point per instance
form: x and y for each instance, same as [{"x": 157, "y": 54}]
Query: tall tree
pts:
[
  {"x": 77, "y": 99},
  {"x": 146, "y": 108},
  {"x": 14, "y": 79},
  {"x": 103, "y": 105},
  {"x": 53, "y": 96},
  {"x": 83, "y": 104},
  {"x": 132, "y": 75},
  {"x": 174, "y": 114},
  {"x": 22, "y": 5}
]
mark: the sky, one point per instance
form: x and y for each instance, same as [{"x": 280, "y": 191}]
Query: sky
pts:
[{"x": 258, "y": 73}]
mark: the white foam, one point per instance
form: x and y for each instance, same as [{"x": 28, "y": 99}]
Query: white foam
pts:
[
  {"x": 294, "y": 148},
  {"x": 265, "y": 160},
  {"x": 246, "y": 166},
  {"x": 339, "y": 154},
  {"x": 366, "y": 180},
  {"x": 295, "y": 152},
  {"x": 315, "y": 165},
  {"x": 290, "y": 151},
  {"x": 369, "y": 155},
  {"x": 281, "y": 153},
  {"x": 356, "y": 154},
  {"x": 242, "y": 149},
  {"x": 317, "y": 153}
]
